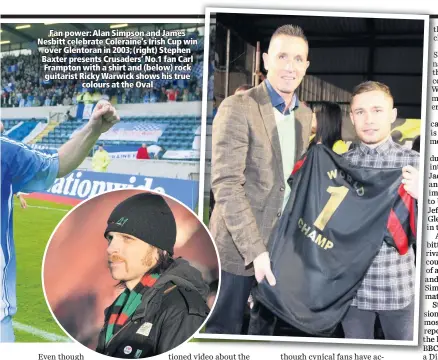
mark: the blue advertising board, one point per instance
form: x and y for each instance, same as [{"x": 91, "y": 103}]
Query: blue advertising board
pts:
[{"x": 85, "y": 184}]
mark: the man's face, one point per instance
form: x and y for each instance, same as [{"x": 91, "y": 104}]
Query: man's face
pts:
[
  {"x": 372, "y": 114},
  {"x": 2, "y": 128},
  {"x": 286, "y": 63},
  {"x": 100, "y": 148},
  {"x": 143, "y": 146},
  {"x": 129, "y": 258}
]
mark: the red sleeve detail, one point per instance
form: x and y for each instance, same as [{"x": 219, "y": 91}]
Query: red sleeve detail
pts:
[
  {"x": 398, "y": 234},
  {"x": 409, "y": 202},
  {"x": 298, "y": 165}
]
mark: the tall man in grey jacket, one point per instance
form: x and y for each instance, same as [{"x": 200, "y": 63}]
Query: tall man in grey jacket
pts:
[{"x": 257, "y": 137}]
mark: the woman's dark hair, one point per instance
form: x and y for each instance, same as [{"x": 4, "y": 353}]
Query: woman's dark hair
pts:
[
  {"x": 328, "y": 123},
  {"x": 243, "y": 87},
  {"x": 416, "y": 144}
]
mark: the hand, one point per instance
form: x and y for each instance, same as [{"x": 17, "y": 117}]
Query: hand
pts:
[
  {"x": 262, "y": 268},
  {"x": 23, "y": 202},
  {"x": 104, "y": 117},
  {"x": 250, "y": 301},
  {"x": 411, "y": 181}
]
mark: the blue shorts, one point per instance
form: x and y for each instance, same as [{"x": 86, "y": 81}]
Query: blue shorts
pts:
[{"x": 6, "y": 330}]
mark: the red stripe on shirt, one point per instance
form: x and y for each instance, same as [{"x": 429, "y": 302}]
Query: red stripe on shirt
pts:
[
  {"x": 409, "y": 202},
  {"x": 298, "y": 165},
  {"x": 398, "y": 234}
]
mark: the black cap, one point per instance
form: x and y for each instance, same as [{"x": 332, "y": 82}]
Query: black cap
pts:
[{"x": 147, "y": 217}]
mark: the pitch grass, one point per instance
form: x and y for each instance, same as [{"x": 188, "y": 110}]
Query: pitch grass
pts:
[
  {"x": 205, "y": 212},
  {"x": 32, "y": 230},
  {"x": 22, "y": 336}
]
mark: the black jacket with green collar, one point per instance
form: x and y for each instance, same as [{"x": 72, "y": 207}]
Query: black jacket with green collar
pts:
[{"x": 170, "y": 313}]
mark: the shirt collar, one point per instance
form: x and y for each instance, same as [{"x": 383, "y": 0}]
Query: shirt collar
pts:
[
  {"x": 381, "y": 149},
  {"x": 278, "y": 102}
]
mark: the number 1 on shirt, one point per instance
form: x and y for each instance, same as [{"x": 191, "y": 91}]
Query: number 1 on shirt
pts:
[{"x": 337, "y": 195}]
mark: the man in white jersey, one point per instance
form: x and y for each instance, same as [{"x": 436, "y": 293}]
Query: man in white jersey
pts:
[{"x": 28, "y": 170}]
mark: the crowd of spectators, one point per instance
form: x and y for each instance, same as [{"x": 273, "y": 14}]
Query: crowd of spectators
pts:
[{"x": 25, "y": 86}]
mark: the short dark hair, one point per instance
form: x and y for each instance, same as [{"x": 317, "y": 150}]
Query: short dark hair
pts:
[
  {"x": 368, "y": 86},
  {"x": 290, "y": 30},
  {"x": 328, "y": 123}
]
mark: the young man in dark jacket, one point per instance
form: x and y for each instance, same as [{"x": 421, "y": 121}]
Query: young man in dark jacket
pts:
[{"x": 164, "y": 302}]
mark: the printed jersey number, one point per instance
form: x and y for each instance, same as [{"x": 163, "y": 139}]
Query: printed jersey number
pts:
[{"x": 337, "y": 195}]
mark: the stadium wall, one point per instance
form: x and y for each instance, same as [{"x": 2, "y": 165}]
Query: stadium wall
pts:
[
  {"x": 176, "y": 108},
  {"x": 185, "y": 170},
  {"x": 32, "y": 112}
]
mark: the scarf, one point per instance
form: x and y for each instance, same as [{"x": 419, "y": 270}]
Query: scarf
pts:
[{"x": 126, "y": 304}]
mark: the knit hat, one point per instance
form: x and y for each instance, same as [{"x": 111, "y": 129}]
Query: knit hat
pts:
[{"x": 147, "y": 217}]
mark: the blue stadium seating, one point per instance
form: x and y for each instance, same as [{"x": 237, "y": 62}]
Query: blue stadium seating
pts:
[
  {"x": 178, "y": 134},
  {"x": 22, "y": 131}
]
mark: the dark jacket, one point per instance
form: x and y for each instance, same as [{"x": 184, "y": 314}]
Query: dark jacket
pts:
[{"x": 170, "y": 313}]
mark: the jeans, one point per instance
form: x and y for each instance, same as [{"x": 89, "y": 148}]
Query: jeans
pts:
[
  {"x": 227, "y": 316},
  {"x": 396, "y": 324}
]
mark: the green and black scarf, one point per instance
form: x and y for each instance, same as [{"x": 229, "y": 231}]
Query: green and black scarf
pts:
[{"x": 126, "y": 304}]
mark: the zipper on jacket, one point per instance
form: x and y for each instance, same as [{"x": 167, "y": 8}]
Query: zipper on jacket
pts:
[{"x": 118, "y": 332}]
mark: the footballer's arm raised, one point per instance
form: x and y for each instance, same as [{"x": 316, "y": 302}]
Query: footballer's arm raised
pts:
[{"x": 73, "y": 152}]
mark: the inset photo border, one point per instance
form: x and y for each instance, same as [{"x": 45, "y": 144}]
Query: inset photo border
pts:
[
  {"x": 345, "y": 49},
  {"x": 146, "y": 248}
]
